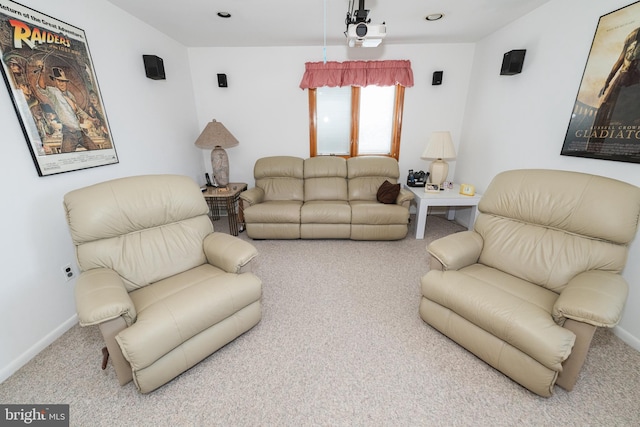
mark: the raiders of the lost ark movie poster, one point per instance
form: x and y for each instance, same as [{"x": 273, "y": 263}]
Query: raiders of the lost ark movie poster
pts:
[
  {"x": 50, "y": 78},
  {"x": 605, "y": 122}
]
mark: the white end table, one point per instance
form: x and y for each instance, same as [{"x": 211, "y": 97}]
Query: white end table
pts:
[{"x": 450, "y": 198}]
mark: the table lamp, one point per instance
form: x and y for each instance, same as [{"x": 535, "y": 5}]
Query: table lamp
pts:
[
  {"x": 439, "y": 149},
  {"x": 217, "y": 137}
]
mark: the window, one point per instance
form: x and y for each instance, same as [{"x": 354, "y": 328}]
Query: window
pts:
[{"x": 355, "y": 121}]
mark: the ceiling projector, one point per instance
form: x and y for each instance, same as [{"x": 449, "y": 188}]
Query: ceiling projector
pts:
[{"x": 365, "y": 35}]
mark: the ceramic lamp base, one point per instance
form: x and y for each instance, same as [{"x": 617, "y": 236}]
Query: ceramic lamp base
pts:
[
  {"x": 220, "y": 166},
  {"x": 438, "y": 171}
]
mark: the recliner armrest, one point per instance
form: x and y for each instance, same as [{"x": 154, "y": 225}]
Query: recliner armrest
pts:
[
  {"x": 102, "y": 296},
  {"x": 457, "y": 250},
  {"x": 252, "y": 196},
  {"x": 228, "y": 252},
  {"x": 595, "y": 297},
  {"x": 405, "y": 197}
]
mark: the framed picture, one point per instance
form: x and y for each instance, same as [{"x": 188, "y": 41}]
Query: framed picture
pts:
[
  {"x": 605, "y": 122},
  {"x": 50, "y": 78}
]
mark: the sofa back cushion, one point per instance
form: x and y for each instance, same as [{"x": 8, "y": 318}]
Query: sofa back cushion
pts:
[
  {"x": 280, "y": 177},
  {"x": 366, "y": 174},
  {"x": 325, "y": 178},
  {"x": 546, "y": 226},
  {"x": 146, "y": 228}
]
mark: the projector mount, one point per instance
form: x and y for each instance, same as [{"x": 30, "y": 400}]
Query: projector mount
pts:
[{"x": 357, "y": 16}]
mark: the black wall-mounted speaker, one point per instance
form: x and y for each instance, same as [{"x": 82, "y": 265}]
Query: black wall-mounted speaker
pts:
[
  {"x": 437, "y": 78},
  {"x": 154, "y": 67},
  {"x": 512, "y": 62},
  {"x": 222, "y": 80}
]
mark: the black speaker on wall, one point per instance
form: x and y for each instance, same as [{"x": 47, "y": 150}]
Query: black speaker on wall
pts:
[
  {"x": 437, "y": 78},
  {"x": 154, "y": 67},
  {"x": 222, "y": 80},
  {"x": 512, "y": 62}
]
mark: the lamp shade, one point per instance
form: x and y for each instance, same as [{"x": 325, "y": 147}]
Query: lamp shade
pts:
[
  {"x": 440, "y": 146},
  {"x": 216, "y": 135}
]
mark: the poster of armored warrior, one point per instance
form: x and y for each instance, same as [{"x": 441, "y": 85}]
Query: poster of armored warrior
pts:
[
  {"x": 605, "y": 122},
  {"x": 50, "y": 77}
]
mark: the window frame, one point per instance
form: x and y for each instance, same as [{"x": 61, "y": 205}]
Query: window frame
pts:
[{"x": 396, "y": 131}]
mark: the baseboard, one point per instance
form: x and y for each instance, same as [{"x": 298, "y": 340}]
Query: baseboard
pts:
[
  {"x": 627, "y": 337},
  {"x": 32, "y": 352}
]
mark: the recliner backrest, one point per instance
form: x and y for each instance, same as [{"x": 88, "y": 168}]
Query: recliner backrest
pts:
[
  {"x": 145, "y": 228},
  {"x": 546, "y": 226},
  {"x": 367, "y": 173},
  {"x": 325, "y": 178},
  {"x": 280, "y": 177}
]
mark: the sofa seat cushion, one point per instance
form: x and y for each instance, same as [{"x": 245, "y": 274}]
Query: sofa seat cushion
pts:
[
  {"x": 326, "y": 212},
  {"x": 274, "y": 212},
  {"x": 516, "y": 312},
  {"x": 374, "y": 213},
  {"x": 178, "y": 308}
]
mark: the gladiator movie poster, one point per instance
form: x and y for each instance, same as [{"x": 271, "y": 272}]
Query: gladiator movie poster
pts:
[
  {"x": 605, "y": 123},
  {"x": 50, "y": 78}
]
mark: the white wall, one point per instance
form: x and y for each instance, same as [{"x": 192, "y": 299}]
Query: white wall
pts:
[
  {"x": 269, "y": 114},
  {"x": 520, "y": 121},
  {"x": 507, "y": 122},
  {"x": 153, "y": 125}
]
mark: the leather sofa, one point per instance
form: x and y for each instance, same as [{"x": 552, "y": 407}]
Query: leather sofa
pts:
[
  {"x": 525, "y": 290},
  {"x": 164, "y": 288},
  {"x": 325, "y": 197}
]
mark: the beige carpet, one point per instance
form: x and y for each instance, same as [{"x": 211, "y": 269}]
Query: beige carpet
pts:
[{"x": 340, "y": 344}]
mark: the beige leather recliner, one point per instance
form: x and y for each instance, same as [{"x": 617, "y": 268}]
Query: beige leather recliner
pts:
[
  {"x": 525, "y": 290},
  {"x": 165, "y": 289}
]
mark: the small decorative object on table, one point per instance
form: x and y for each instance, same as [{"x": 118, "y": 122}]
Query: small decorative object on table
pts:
[
  {"x": 467, "y": 189},
  {"x": 431, "y": 188}
]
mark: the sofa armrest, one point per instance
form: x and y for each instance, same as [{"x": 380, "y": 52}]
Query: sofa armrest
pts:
[
  {"x": 252, "y": 196},
  {"x": 405, "y": 197},
  {"x": 595, "y": 297},
  {"x": 457, "y": 250},
  {"x": 228, "y": 252},
  {"x": 102, "y": 296}
]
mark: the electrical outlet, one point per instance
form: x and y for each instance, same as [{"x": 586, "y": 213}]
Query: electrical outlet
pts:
[{"x": 68, "y": 272}]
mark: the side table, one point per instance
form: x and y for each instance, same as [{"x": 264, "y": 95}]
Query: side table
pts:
[
  {"x": 227, "y": 198},
  {"x": 447, "y": 197}
]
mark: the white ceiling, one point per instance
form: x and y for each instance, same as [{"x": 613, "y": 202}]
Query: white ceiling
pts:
[{"x": 194, "y": 23}]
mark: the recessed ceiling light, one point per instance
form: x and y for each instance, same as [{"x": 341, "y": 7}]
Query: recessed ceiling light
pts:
[
  {"x": 434, "y": 16},
  {"x": 224, "y": 14}
]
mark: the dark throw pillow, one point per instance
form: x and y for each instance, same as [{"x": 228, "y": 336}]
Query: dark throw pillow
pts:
[{"x": 388, "y": 192}]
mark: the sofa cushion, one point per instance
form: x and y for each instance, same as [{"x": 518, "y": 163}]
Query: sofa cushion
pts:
[
  {"x": 366, "y": 175},
  {"x": 280, "y": 177},
  {"x": 274, "y": 212},
  {"x": 375, "y": 213},
  {"x": 581, "y": 203},
  {"x": 513, "y": 313},
  {"x": 541, "y": 255},
  {"x": 172, "y": 311},
  {"x": 326, "y": 212},
  {"x": 122, "y": 216},
  {"x": 325, "y": 178},
  {"x": 388, "y": 192}
]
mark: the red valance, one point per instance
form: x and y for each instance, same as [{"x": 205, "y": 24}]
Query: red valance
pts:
[{"x": 357, "y": 73}]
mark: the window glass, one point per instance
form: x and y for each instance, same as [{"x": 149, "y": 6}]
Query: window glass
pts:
[
  {"x": 376, "y": 119},
  {"x": 334, "y": 120}
]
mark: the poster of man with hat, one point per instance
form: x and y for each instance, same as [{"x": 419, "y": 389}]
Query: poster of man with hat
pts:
[{"x": 49, "y": 73}]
